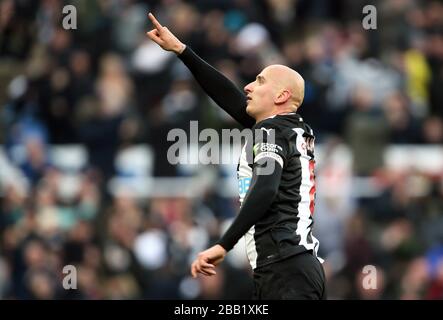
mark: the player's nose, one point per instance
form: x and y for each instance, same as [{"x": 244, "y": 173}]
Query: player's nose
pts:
[{"x": 248, "y": 88}]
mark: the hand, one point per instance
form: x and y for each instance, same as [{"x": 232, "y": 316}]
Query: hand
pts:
[
  {"x": 207, "y": 260},
  {"x": 163, "y": 37}
]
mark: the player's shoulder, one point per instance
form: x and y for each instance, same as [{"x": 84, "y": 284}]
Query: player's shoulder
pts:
[
  {"x": 274, "y": 122},
  {"x": 269, "y": 127},
  {"x": 286, "y": 125}
]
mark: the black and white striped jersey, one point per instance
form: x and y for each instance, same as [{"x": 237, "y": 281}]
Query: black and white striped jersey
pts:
[{"x": 286, "y": 228}]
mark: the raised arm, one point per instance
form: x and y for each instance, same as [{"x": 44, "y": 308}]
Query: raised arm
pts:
[{"x": 213, "y": 82}]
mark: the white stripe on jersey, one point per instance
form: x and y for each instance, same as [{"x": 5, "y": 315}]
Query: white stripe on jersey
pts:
[
  {"x": 251, "y": 249},
  {"x": 304, "y": 212},
  {"x": 245, "y": 171}
]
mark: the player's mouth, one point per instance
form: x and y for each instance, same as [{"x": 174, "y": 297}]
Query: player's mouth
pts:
[{"x": 248, "y": 98}]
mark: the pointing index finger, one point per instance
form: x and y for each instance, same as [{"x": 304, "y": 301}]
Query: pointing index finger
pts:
[{"x": 155, "y": 22}]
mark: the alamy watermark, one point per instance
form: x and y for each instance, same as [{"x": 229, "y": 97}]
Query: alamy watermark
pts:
[
  {"x": 70, "y": 279},
  {"x": 216, "y": 148},
  {"x": 70, "y": 20},
  {"x": 370, "y": 19},
  {"x": 369, "y": 281}
]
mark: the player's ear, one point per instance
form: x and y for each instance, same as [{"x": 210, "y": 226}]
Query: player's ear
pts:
[{"x": 283, "y": 96}]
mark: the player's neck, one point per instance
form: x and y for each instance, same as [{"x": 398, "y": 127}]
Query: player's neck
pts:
[{"x": 272, "y": 115}]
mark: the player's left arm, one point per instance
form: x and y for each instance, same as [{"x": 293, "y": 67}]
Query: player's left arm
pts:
[
  {"x": 261, "y": 193},
  {"x": 269, "y": 160},
  {"x": 270, "y": 150}
]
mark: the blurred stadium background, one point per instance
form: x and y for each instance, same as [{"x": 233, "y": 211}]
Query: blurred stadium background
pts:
[{"x": 84, "y": 115}]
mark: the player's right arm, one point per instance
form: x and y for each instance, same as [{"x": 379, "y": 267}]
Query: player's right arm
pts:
[{"x": 213, "y": 82}]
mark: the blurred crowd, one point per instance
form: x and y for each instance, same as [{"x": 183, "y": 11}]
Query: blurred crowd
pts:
[{"x": 107, "y": 87}]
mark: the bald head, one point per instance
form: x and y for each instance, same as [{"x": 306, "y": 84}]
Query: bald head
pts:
[
  {"x": 286, "y": 78},
  {"x": 276, "y": 90}
]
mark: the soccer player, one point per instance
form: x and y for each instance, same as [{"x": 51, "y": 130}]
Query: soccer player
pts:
[{"x": 276, "y": 207}]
